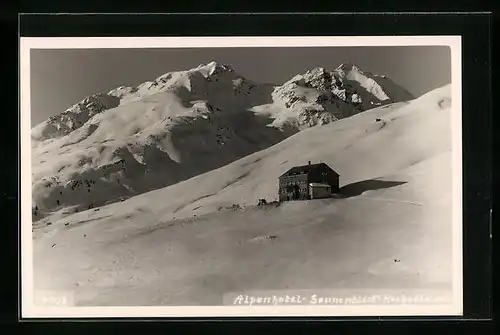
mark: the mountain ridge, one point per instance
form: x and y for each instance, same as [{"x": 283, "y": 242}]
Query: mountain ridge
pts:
[{"x": 131, "y": 140}]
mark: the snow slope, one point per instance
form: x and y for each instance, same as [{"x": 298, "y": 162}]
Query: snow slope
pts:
[
  {"x": 187, "y": 244},
  {"x": 182, "y": 124},
  {"x": 132, "y": 140}
]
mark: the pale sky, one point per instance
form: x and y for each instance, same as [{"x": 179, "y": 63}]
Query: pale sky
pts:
[{"x": 61, "y": 78}]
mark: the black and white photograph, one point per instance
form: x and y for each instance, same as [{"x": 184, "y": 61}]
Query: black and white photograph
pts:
[{"x": 241, "y": 176}]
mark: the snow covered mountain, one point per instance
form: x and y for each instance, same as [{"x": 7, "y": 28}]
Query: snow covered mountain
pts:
[
  {"x": 319, "y": 96},
  {"x": 135, "y": 139}
]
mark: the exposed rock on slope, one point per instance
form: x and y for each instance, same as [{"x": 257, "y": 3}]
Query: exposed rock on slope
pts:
[
  {"x": 74, "y": 117},
  {"x": 320, "y": 96}
]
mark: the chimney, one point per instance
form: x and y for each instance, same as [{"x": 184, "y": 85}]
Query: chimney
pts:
[{"x": 309, "y": 163}]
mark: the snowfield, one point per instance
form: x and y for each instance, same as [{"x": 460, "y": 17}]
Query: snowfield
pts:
[
  {"x": 194, "y": 241},
  {"x": 131, "y": 140}
]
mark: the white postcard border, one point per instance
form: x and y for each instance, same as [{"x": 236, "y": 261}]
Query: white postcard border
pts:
[{"x": 29, "y": 310}]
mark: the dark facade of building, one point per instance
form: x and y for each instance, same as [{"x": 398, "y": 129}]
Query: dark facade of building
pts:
[{"x": 294, "y": 184}]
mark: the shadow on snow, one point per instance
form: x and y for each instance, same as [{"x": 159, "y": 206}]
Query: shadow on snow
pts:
[{"x": 357, "y": 188}]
